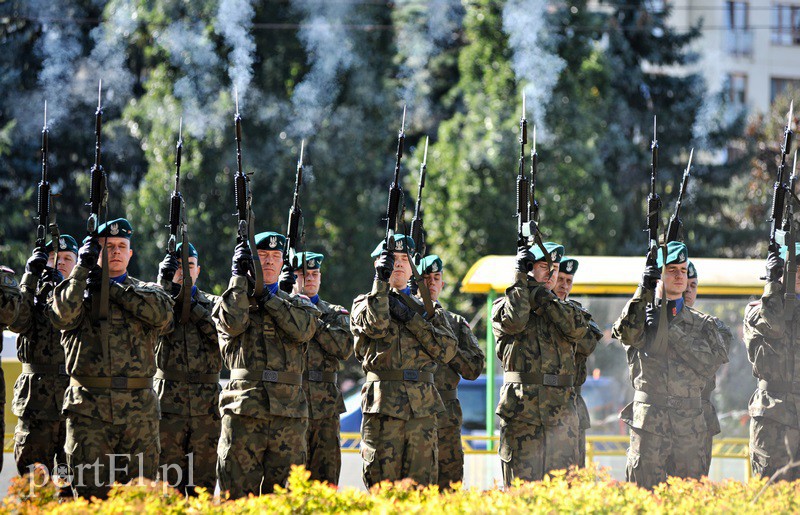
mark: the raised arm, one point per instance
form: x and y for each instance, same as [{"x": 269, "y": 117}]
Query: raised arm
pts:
[
  {"x": 629, "y": 327},
  {"x": 766, "y": 318},
  {"x": 291, "y": 317},
  {"x": 333, "y": 333},
  {"x": 24, "y": 318},
  {"x": 469, "y": 359},
  {"x": 66, "y": 304},
  {"x": 147, "y": 302},
  {"x": 436, "y": 336},
  {"x": 370, "y": 316},
  {"x": 232, "y": 311},
  {"x": 510, "y": 315}
]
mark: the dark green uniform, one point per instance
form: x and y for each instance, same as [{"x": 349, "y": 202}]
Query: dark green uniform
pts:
[
  {"x": 10, "y": 299},
  {"x": 264, "y": 409},
  {"x": 467, "y": 363},
  {"x": 536, "y": 335},
  {"x": 399, "y": 400},
  {"x": 187, "y": 385},
  {"x": 583, "y": 350}
]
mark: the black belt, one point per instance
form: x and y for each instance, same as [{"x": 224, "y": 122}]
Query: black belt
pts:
[
  {"x": 448, "y": 395},
  {"x": 45, "y": 370},
  {"x": 186, "y": 377},
  {"x": 400, "y": 375},
  {"x": 318, "y": 376},
  {"x": 668, "y": 401},
  {"x": 113, "y": 383},
  {"x": 539, "y": 379},
  {"x": 779, "y": 386},
  {"x": 267, "y": 376}
]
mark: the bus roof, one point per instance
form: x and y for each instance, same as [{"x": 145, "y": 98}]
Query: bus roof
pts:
[{"x": 620, "y": 275}]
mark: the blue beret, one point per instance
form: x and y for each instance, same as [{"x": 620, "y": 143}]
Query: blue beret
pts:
[
  {"x": 119, "y": 228},
  {"x": 692, "y": 274},
  {"x": 191, "y": 251},
  {"x": 270, "y": 241},
  {"x": 677, "y": 253},
  {"x": 65, "y": 243},
  {"x": 402, "y": 243},
  {"x": 568, "y": 266},
  {"x": 430, "y": 264},
  {"x": 312, "y": 260},
  {"x": 555, "y": 250},
  {"x": 785, "y": 251}
]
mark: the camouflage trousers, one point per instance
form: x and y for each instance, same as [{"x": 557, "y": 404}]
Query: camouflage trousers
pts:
[
  {"x": 768, "y": 452},
  {"x": 189, "y": 451},
  {"x": 39, "y": 441},
  {"x": 652, "y": 458},
  {"x": 451, "y": 456},
  {"x": 324, "y": 452},
  {"x": 255, "y": 454},
  {"x": 393, "y": 449},
  {"x": 584, "y": 423},
  {"x": 708, "y": 444},
  {"x": 528, "y": 451},
  {"x": 581, "y": 448},
  {"x": 100, "y": 454}
]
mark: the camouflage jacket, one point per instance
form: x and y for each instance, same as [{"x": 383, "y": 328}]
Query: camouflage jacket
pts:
[
  {"x": 332, "y": 342},
  {"x": 583, "y": 350},
  {"x": 138, "y": 313},
  {"x": 38, "y": 396},
  {"x": 382, "y": 343},
  {"x": 709, "y": 411},
  {"x": 773, "y": 347},
  {"x": 9, "y": 298},
  {"x": 695, "y": 350},
  {"x": 191, "y": 348},
  {"x": 536, "y": 341},
  {"x": 467, "y": 363},
  {"x": 266, "y": 336}
]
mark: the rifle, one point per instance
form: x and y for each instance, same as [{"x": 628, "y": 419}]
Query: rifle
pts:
[
  {"x": 675, "y": 227},
  {"x": 416, "y": 223},
  {"x": 295, "y": 218},
  {"x": 244, "y": 203},
  {"x": 44, "y": 213},
  {"x": 177, "y": 224},
  {"x": 653, "y": 200},
  {"x": 789, "y": 237},
  {"x": 533, "y": 205},
  {"x": 780, "y": 187}
]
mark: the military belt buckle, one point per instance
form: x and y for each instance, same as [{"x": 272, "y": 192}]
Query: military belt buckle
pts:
[
  {"x": 269, "y": 376},
  {"x": 410, "y": 375},
  {"x": 315, "y": 375},
  {"x": 550, "y": 380},
  {"x": 119, "y": 383}
]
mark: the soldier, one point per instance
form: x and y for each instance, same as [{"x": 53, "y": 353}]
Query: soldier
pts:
[
  {"x": 110, "y": 404},
  {"x": 39, "y": 390},
  {"x": 331, "y": 342},
  {"x": 398, "y": 347},
  {"x": 187, "y": 383},
  {"x": 264, "y": 409},
  {"x": 467, "y": 363},
  {"x": 670, "y": 359},
  {"x": 10, "y": 298},
  {"x": 537, "y": 334},
  {"x": 566, "y": 274},
  {"x": 709, "y": 411},
  {"x": 772, "y": 337}
]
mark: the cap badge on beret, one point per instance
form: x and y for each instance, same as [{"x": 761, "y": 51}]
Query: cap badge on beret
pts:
[
  {"x": 681, "y": 256},
  {"x": 554, "y": 255},
  {"x": 312, "y": 263},
  {"x": 568, "y": 268},
  {"x": 62, "y": 244},
  {"x": 434, "y": 267},
  {"x": 273, "y": 242},
  {"x": 113, "y": 229},
  {"x": 399, "y": 245}
]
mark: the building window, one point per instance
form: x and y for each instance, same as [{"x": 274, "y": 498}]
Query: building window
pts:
[
  {"x": 737, "y": 88},
  {"x": 786, "y": 25},
  {"x": 738, "y": 37},
  {"x": 778, "y": 86}
]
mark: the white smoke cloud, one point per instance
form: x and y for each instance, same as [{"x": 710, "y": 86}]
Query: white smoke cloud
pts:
[{"x": 235, "y": 23}]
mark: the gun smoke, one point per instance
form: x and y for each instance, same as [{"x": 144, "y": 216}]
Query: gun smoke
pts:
[{"x": 235, "y": 24}]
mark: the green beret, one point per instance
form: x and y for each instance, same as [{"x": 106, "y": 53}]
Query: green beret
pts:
[
  {"x": 119, "y": 228},
  {"x": 430, "y": 264},
  {"x": 785, "y": 252},
  {"x": 555, "y": 250},
  {"x": 312, "y": 260},
  {"x": 402, "y": 243},
  {"x": 191, "y": 251},
  {"x": 270, "y": 241},
  {"x": 65, "y": 243},
  {"x": 677, "y": 253},
  {"x": 692, "y": 271},
  {"x": 568, "y": 266}
]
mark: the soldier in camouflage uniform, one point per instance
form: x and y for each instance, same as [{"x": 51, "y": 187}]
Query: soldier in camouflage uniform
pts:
[
  {"x": 670, "y": 360},
  {"x": 536, "y": 335},
  {"x": 264, "y": 409},
  {"x": 709, "y": 411},
  {"x": 10, "y": 299},
  {"x": 39, "y": 390},
  {"x": 331, "y": 343},
  {"x": 187, "y": 383},
  {"x": 566, "y": 274},
  {"x": 772, "y": 337},
  {"x": 467, "y": 363},
  {"x": 110, "y": 404},
  {"x": 398, "y": 348}
]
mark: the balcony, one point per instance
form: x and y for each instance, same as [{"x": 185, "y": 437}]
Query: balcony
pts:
[{"x": 739, "y": 42}]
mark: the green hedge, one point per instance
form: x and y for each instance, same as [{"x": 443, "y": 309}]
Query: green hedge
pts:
[{"x": 582, "y": 491}]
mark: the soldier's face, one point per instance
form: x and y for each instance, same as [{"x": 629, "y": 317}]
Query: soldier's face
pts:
[
  {"x": 563, "y": 286},
  {"x": 271, "y": 262},
  {"x": 541, "y": 271},
  {"x": 402, "y": 271},
  {"x": 435, "y": 283},
  {"x": 194, "y": 271},
  {"x": 119, "y": 255},
  {"x": 66, "y": 262},
  {"x": 690, "y": 295},
  {"x": 308, "y": 283},
  {"x": 675, "y": 280}
]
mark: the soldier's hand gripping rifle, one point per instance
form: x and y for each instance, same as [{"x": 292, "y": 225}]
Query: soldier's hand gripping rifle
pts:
[
  {"x": 290, "y": 249},
  {"x": 675, "y": 227},
  {"x": 177, "y": 229},
  {"x": 417, "y": 231},
  {"x": 244, "y": 212},
  {"x": 653, "y": 201}
]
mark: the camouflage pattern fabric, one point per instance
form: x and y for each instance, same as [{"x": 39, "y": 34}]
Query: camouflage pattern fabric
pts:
[
  {"x": 255, "y": 454},
  {"x": 451, "y": 455},
  {"x": 183, "y": 438},
  {"x": 9, "y": 297},
  {"x": 324, "y": 459},
  {"x": 95, "y": 447},
  {"x": 529, "y": 451},
  {"x": 652, "y": 457},
  {"x": 773, "y": 350},
  {"x": 39, "y": 441},
  {"x": 709, "y": 411},
  {"x": 694, "y": 351},
  {"x": 768, "y": 448},
  {"x": 583, "y": 350},
  {"x": 393, "y": 449}
]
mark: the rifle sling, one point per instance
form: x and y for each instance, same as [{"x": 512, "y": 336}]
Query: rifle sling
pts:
[
  {"x": 423, "y": 289},
  {"x": 409, "y": 301},
  {"x": 186, "y": 286},
  {"x": 537, "y": 238},
  {"x": 661, "y": 333},
  {"x": 258, "y": 275}
]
